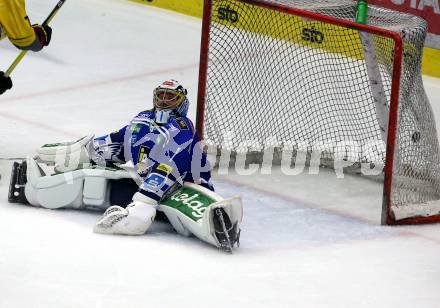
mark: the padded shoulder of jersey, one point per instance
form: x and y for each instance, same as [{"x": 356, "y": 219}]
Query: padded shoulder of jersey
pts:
[{"x": 183, "y": 123}]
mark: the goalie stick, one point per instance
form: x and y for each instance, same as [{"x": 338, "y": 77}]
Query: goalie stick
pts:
[{"x": 24, "y": 52}]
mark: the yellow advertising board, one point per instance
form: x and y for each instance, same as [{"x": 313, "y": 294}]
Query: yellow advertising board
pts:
[
  {"x": 306, "y": 33},
  {"x": 187, "y": 7}
]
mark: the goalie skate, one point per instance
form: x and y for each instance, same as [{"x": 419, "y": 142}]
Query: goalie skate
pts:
[
  {"x": 226, "y": 234},
  {"x": 17, "y": 183}
]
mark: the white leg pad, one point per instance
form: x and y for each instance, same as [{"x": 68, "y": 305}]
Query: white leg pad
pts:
[
  {"x": 75, "y": 189},
  {"x": 96, "y": 191},
  {"x": 201, "y": 223}
]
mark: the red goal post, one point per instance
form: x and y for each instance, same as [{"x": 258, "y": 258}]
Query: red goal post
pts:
[{"x": 217, "y": 42}]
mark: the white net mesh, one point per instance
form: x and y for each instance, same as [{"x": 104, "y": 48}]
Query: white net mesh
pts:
[{"x": 306, "y": 84}]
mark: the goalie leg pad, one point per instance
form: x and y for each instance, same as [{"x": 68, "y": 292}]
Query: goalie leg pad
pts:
[
  {"x": 53, "y": 192},
  {"x": 192, "y": 210},
  {"x": 75, "y": 189}
]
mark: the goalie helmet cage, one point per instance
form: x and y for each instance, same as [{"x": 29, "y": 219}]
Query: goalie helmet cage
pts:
[{"x": 305, "y": 75}]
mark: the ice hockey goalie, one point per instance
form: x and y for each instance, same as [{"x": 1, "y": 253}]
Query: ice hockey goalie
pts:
[{"x": 154, "y": 163}]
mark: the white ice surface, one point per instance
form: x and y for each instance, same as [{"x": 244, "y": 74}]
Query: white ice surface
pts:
[{"x": 307, "y": 241}]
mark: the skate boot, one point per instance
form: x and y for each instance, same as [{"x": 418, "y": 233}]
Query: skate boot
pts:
[
  {"x": 18, "y": 181},
  {"x": 227, "y": 234}
]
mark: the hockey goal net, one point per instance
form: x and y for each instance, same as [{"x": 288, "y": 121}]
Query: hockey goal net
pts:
[{"x": 307, "y": 77}]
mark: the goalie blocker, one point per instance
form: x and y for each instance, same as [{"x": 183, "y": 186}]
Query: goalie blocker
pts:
[{"x": 191, "y": 209}]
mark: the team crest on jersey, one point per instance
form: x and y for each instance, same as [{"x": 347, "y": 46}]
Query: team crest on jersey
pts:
[{"x": 182, "y": 124}]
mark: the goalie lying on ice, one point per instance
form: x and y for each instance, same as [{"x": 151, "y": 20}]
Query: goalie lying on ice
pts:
[{"x": 153, "y": 164}]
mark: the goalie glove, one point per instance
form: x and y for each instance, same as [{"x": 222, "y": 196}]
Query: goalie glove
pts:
[
  {"x": 133, "y": 220},
  {"x": 67, "y": 156}
]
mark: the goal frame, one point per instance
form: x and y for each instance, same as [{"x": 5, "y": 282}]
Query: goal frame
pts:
[{"x": 387, "y": 215}]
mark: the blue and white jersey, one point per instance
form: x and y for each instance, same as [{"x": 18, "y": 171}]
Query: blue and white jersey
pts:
[{"x": 163, "y": 155}]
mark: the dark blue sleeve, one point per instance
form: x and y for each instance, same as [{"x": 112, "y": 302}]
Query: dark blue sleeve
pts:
[{"x": 111, "y": 147}]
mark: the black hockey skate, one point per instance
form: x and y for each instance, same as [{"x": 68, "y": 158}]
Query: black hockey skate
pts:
[
  {"x": 227, "y": 234},
  {"x": 16, "y": 186}
]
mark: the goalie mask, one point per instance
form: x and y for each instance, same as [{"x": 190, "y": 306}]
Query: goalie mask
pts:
[{"x": 169, "y": 100}]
